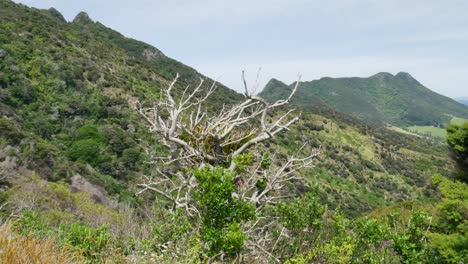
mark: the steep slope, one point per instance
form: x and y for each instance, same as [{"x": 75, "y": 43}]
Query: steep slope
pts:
[
  {"x": 364, "y": 167},
  {"x": 67, "y": 93},
  {"x": 73, "y": 149},
  {"x": 381, "y": 98}
]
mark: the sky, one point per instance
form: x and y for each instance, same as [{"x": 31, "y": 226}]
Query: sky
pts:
[{"x": 334, "y": 38}]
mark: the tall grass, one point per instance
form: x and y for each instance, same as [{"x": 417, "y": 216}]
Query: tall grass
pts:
[{"x": 17, "y": 249}]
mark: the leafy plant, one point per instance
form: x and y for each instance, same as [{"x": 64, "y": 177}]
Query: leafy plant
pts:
[
  {"x": 221, "y": 211},
  {"x": 90, "y": 242},
  {"x": 457, "y": 138}
]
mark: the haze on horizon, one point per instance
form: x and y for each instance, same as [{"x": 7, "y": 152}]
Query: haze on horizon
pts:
[{"x": 343, "y": 38}]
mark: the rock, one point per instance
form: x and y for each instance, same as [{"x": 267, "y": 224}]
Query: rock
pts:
[
  {"x": 131, "y": 128},
  {"x": 80, "y": 184},
  {"x": 82, "y": 17},
  {"x": 151, "y": 55},
  {"x": 3, "y": 54},
  {"x": 55, "y": 13}
]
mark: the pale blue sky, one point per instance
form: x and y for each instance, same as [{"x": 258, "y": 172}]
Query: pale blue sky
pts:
[{"x": 337, "y": 38}]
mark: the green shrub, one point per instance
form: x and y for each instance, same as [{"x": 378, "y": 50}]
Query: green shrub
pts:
[
  {"x": 131, "y": 157},
  {"x": 9, "y": 131},
  {"x": 221, "y": 212},
  {"x": 91, "y": 242},
  {"x": 30, "y": 223},
  {"x": 23, "y": 94},
  {"x": 87, "y": 150},
  {"x": 304, "y": 218},
  {"x": 90, "y": 132},
  {"x": 457, "y": 138}
]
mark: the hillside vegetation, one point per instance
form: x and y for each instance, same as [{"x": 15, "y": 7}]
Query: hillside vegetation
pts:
[
  {"x": 74, "y": 151},
  {"x": 398, "y": 99}
]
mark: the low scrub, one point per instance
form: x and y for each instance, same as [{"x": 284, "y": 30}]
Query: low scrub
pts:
[{"x": 17, "y": 249}]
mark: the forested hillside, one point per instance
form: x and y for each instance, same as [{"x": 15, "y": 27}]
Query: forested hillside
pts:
[
  {"x": 76, "y": 149},
  {"x": 398, "y": 99}
]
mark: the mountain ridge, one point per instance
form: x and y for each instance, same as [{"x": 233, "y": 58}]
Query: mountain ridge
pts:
[
  {"x": 74, "y": 153},
  {"x": 397, "y": 99},
  {"x": 86, "y": 78}
]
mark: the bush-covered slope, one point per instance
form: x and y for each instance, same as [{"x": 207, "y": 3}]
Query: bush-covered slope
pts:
[
  {"x": 73, "y": 149},
  {"x": 364, "y": 167},
  {"x": 382, "y": 98},
  {"x": 71, "y": 86},
  {"x": 67, "y": 95}
]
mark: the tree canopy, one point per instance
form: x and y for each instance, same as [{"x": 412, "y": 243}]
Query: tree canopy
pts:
[{"x": 457, "y": 138}]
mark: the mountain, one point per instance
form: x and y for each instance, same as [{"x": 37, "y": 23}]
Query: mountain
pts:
[
  {"x": 382, "y": 98},
  {"x": 463, "y": 100},
  {"x": 58, "y": 78},
  {"x": 73, "y": 149},
  {"x": 66, "y": 95}
]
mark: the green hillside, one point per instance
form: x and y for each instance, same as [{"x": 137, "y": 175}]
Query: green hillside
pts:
[
  {"x": 73, "y": 151},
  {"x": 382, "y": 98},
  {"x": 60, "y": 78},
  {"x": 70, "y": 82},
  {"x": 365, "y": 167}
]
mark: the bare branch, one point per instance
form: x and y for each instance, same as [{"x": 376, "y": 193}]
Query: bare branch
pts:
[{"x": 196, "y": 138}]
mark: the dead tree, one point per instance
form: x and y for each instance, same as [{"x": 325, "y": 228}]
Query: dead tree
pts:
[{"x": 197, "y": 138}]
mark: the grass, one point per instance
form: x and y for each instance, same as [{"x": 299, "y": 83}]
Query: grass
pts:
[
  {"x": 349, "y": 136},
  {"x": 401, "y": 130},
  {"x": 458, "y": 121},
  {"x": 429, "y": 131},
  {"x": 16, "y": 249}
]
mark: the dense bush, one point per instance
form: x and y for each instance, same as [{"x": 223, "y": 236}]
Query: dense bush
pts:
[
  {"x": 66, "y": 94},
  {"x": 221, "y": 212},
  {"x": 90, "y": 242},
  {"x": 88, "y": 150},
  {"x": 304, "y": 218},
  {"x": 457, "y": 138}
]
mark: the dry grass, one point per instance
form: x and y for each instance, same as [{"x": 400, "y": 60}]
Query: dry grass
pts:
[{"x": 15, "y": 249}]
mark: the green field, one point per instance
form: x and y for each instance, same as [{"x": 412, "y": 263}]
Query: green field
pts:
[
  {"x": 428, "y": 131},
  {"x": 436, "y": 132},
  {"x": 403, "y": 131},
  {"x": 458, "y": 121}
]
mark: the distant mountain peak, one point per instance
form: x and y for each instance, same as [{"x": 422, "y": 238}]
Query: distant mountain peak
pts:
[
  {"x": 275, "y": 86},
  {"x": 381, "y": 98},
  {"x": 82, "y": 17},
  {"x": 404, "y": 74},
  {"x": 55, "y": 13},
  {"x": 276, "y": 82},
  {"x": 407, "y": 78},
  {"x": 383, "y": 75}
]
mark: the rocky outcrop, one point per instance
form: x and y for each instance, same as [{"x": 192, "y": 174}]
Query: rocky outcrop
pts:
[
  {"x": 80, "y": 184},
  {"x": 55, "y": 13},
  {"x": 152, "y": 54},
  {"x": 83, "y": 18},
  {"x": 3, "y": 54}
]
